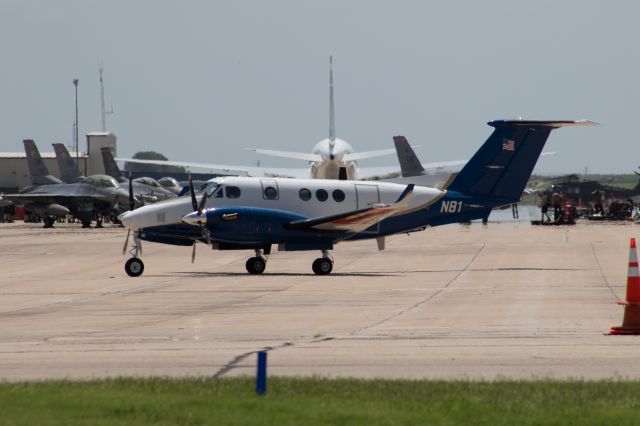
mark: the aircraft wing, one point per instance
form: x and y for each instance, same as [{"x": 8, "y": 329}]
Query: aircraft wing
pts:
[
  {"x": 355, "y": 156},
  {"x": 59, "y": 198},
  {"x": 218, "y": 168},
  {"x": 287, "y": 154},
  {"x": 356, "y": 220},
  {"x": 226, "y": 169}
]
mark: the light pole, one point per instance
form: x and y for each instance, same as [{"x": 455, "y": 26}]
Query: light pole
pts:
[{"x": 75, "y": 124}]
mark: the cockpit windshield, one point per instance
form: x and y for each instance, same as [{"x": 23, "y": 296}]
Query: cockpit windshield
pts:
[{"x": 211, "y": 188}]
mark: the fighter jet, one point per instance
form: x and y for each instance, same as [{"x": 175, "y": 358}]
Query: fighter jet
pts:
[
  {"x": 87, "y": 200},
  {"x": 145, "y": 189}
]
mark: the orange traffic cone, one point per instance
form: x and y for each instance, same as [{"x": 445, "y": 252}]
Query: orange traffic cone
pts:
[{"x": 631, "y": 320}]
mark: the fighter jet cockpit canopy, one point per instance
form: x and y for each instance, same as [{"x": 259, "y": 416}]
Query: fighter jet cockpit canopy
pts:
[
  {"x": 169, "y": 183},
  {"x": 147, "y": 181},
  {"x": 102, "y": 181}
]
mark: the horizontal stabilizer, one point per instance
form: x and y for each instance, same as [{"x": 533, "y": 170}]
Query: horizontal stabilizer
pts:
[
  {"x": 287, "y": 154},
  {"x": 355, "y": 156},
  {"x": 554, "y": 124}
]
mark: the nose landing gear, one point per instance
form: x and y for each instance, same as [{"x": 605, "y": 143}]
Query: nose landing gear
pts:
[{"x": 134, "y": 267}]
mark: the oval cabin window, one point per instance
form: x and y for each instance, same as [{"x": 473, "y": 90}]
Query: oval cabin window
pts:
[
  {"x": 322, "y": 195},
  {"x": 232, "y": 192},
  {"x": 305, "y": 194},
  {"x": 270, "y": 193}
]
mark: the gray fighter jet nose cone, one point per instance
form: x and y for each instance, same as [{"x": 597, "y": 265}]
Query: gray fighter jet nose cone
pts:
[{"x": 122, "y": 195}]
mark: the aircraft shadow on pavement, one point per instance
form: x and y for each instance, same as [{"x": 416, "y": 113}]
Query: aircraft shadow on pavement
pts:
[{"x": 276, "y": 274}]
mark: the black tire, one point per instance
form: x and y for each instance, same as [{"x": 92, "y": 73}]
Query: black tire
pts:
[
  {"x": 322, "y": 266},
  {"x": 48, "y": 222},
  {"x": 134, "y": 267},
  {"x": 256, "y": 265}
]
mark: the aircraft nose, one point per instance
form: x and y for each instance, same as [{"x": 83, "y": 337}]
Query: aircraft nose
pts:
[
  {"x": 127, "y": 219},
  {"x": 195, "y": 218},
  {"x": 122, "y": 196}
]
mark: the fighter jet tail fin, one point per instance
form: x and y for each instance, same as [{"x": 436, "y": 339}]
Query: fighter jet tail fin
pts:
[
  {"x": 38, "y": 172},
  {"x": 409, "y": 162},
  {"x": 110, "y": 166},
  {"x": 69, "y": 171}
]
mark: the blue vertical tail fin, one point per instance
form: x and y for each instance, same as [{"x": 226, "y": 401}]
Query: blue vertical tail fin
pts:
[{"x": 503, "y": 164}]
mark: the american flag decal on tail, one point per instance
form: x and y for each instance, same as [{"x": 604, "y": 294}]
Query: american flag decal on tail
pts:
[{"x": 508, "y": 145}]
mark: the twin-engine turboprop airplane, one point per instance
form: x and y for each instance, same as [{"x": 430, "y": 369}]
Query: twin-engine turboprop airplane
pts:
[{"x": 312, "y": 214}]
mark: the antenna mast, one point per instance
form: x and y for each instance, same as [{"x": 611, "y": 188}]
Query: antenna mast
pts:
[
  {"x": 75, "y": 122},
  {"x": 104, "y": 113},
  {"x": 332, "y": 122}
]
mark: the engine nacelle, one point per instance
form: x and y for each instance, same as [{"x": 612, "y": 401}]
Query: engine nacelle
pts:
[{"x": 260, "y": 226}]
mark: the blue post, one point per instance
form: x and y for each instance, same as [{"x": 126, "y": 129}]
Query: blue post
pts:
[{"x": 261, "y": 378}]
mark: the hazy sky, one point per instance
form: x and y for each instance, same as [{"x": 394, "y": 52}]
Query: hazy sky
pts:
[{"x": 200, "y": 80}]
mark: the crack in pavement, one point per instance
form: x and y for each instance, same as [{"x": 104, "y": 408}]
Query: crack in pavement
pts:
[
  {"x": 604, "y": 278},
  {"x": 422, "y": 302}
]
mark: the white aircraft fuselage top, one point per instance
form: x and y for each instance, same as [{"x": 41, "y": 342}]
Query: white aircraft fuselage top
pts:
[{"x": 357, "y": 195}]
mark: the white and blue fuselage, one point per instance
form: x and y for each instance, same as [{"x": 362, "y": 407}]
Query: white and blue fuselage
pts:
[{"x": 263, "y": 207}]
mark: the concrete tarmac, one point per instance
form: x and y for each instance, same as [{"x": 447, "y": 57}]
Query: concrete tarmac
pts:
[{"x": 508, "y": 300}]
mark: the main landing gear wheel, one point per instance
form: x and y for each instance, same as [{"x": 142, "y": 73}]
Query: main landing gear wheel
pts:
[
  {"x": 256, "y": 265},
  {"x": 48, "y": 222},
  {"x": 322, "y": 266},
  {"x": 134, "y": 267}
]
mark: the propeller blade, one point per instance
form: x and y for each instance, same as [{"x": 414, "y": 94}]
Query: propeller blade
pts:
[
  {"x": 203, "y": 201},
  {"x": 131, "y": 199},
  {"x": 194, "y": 202},
  {"x": 193, "y": 252},
  {"x": 126, "y": 242}
]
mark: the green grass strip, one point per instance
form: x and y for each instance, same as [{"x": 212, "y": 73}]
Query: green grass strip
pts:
[{"x": 318, "y": 401}]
